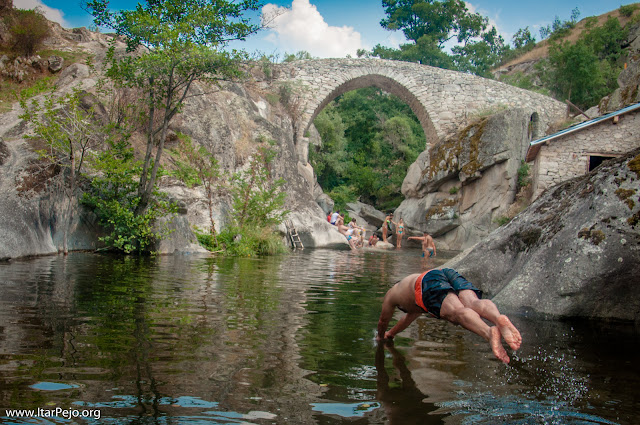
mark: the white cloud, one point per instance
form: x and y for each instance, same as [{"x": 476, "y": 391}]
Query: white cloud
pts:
[
  {"x": 493, "y": 20},
  {"x": 302, "y": 27},
  {"x": 55, "y": 15}
]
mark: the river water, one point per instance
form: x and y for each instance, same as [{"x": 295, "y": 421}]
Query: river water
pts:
[{"x": 284, "y": 340}]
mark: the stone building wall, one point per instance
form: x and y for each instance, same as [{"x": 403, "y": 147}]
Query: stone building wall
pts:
[{"x": 568, "y": 156}]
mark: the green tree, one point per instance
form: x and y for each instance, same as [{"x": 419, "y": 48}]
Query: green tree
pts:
[
  {"x": 258, "y": 197},
  {"x": 587, "y": 70},
  {"x": 424, "y": 51},
  {"x": 523, "y": 40},
  {"x": 558, "y": 28},
  {"x": 69, "y": 132},
  {"x": 258, "y": 201},
  {"x": 113, "y": 196},
  {"x": 369, "y": 140},
  {"x": 329, "y": 159},
  {"x": 176, "y": 43},
  {"x": 480, "y": 57},
  {"x": 575, "y": 73},
  {"x": 439, "y": 20},
  {"x": 430, "y": 24},
  {"x": 197, "y": 166}
]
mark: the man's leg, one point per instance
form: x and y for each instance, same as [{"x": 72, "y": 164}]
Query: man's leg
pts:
[
  {"x": 455, "y": 312},
  {"x": 488, "y": 310}
]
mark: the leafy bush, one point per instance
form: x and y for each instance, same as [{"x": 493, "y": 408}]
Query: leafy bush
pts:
[
  {"x": 206, "y": 239},
  {"x": 454, "y": 190},
  {"x": 257, "y": 197},
  {"x": 250, "y": 241},
  {"x": 28, "y": 29},
  {"x": 523, "y": 174},
  {"x": 628, "y": 10},
  {"x": 518, "y": 79},
  {"x": 502, "y": 220},
  {"x": 341, "y": 196},
  {"x": 113, "y": 197}
]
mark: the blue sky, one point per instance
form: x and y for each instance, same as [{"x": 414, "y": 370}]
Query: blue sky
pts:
[{"x": 337, "y": 28}]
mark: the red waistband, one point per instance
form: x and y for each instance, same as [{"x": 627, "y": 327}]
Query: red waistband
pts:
[{"x": 418, "y": 291}]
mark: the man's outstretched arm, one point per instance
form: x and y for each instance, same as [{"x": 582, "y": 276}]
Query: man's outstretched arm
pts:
[
  {"x": 385, "y": 316},
  {"x": 402, "y": 324}
]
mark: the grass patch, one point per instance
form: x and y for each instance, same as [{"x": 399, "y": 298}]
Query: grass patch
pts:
[
  {"x": 37, "y": 82},
  {"x": 502, "y": 220},
  {"x": 10, "y": 90},
  {"x": 69, "y": 57}
]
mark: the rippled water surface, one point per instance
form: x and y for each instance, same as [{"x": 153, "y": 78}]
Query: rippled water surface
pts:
[{"x": 199, "y": 340}]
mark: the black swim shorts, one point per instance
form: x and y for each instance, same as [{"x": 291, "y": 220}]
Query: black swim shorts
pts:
[{"x": 437, "y": 283}]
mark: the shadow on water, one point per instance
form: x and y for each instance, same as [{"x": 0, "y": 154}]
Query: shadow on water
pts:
[{"x": 201, "y": 340}]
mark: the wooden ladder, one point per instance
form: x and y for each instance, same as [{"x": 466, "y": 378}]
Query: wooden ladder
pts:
[{"x": 293, "y": 235}]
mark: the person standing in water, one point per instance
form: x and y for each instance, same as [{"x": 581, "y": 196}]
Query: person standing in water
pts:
[
  {"x": 386, "y": 226},
  {"x": 428, "y": 245},
  {"x": 399, "y": 233},
  {"x": 445, "y": 294}
]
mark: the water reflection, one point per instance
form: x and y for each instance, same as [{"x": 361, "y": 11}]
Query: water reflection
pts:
[{"x": 286, "y": 339}]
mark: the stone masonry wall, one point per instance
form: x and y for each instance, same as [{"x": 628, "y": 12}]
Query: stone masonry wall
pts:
[
  {"x": 568, "y": 156},
  {"x": 443, "y": 100}
]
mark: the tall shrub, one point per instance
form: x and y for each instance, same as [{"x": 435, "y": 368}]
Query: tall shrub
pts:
[{"x": 28, "y": 29}]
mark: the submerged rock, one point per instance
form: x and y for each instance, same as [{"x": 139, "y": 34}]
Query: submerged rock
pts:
[{"x": 574, "y": 252}]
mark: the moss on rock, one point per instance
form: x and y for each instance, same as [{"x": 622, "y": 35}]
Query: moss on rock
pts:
[{"x": 634, "y": 165}]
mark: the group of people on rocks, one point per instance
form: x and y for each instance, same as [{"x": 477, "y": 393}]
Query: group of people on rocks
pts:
[{"x": 356, "y": 234}]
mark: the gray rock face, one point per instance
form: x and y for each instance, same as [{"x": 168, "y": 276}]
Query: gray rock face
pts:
[
  {"x": 33, "y": 212},
  {"x": 466, "y": 182},
  {"x": 325, "y": 202},
  {"x": 368, "y": 213},
  {"x": 230, "y": 122},
  {"x": 574, "y": 252}
]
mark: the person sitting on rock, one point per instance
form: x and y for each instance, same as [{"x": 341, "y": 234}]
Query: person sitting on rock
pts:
[
  {"x": 446, "y": 294},
  {"x": 358, "y": 231},
  {"x": 348, "y": 233},
  {"x": 373, "y": 240},
  {"x": 428, "y": 245},
  {"x": 334, "y": 217}
]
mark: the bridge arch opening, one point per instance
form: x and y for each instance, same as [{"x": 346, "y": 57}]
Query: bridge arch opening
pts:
[
  {"x": 371, "y": 134},
  {"x": 388, "y": 85}
]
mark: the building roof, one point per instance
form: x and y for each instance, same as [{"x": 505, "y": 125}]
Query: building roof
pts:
[{"x": 535, "y": 145}]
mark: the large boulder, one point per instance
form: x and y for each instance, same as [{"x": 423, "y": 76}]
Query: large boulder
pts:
[
  {"x": 468, "y": 181},
  {"x": 574, "y": 252},
  {"x": 366, "y": 212}
]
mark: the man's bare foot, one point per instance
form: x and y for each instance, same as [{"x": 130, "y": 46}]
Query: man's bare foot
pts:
[
  {"x": 496, "y": 345},
  {"x": 509, "y": 332}
]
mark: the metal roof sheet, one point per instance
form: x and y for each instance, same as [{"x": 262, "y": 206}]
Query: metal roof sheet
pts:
[{"x": 585, "y": 124}]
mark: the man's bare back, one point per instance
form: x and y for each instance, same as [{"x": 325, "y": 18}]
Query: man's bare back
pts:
[{"x": 463, "y": 308}]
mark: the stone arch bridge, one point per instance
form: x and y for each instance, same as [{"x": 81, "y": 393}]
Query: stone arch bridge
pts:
[{"x": 443, "y": 100}]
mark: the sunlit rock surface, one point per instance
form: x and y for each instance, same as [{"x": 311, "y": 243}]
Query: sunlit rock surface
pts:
[
  {"x": 574, "y": 252},
  {"x": 466, "y": 182}
]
